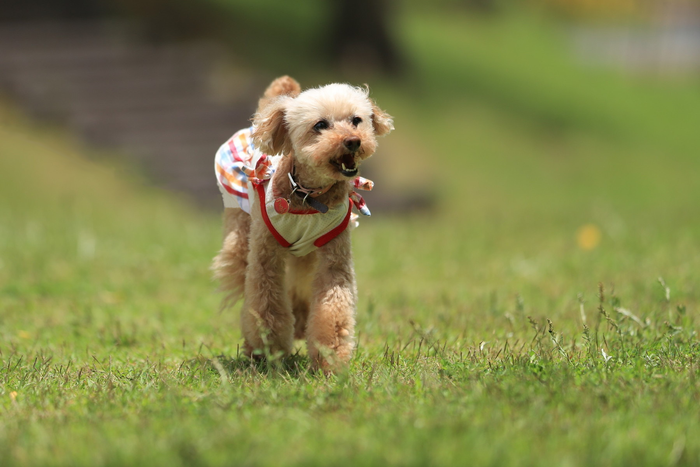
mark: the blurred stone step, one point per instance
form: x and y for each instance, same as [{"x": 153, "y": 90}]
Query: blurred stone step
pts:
[
  {"x": 152, "y": 102},
  {"x": 150, "y": 138},
  {"x": 131, "y": 103},
  {"x": 200, "y": 116}
]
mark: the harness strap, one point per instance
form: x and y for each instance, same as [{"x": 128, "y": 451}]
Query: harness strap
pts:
[
  {"x": 263, "y": 209},
  {"x": 327, "y": 237},
  {"x": 319, "y": 242}
]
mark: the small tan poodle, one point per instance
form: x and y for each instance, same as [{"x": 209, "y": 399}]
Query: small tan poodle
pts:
[{"x": 288, "y": 188}]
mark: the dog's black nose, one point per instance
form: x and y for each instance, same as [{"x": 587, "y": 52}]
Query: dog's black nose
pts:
[{"x": 352, "y": 143}]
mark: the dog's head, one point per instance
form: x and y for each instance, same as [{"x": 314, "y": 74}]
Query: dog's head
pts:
[{"x": 330, "y": 130}]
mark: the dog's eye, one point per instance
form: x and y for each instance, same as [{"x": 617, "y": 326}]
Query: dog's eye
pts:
[
  {"x": 322, "y": 125},
  {"x": 356, "y": 121}
]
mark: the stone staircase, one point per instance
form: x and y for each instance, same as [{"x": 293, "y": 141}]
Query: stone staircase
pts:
[{"x": 152, "y": 102}]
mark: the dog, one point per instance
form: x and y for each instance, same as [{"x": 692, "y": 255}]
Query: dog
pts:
[{"x": 288, "y": 188}]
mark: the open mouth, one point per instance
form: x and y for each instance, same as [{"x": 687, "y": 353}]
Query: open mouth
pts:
[{"x": 345, "y": 164}]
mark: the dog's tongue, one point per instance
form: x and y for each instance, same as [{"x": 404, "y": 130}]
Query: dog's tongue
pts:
[{"x": 348, "y": 160}]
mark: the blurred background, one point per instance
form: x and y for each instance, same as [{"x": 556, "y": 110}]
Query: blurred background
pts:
[{"x": 163, "y": 83}]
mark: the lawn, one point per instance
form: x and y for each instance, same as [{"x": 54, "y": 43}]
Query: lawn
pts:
[{"x": 544, "y": 313}]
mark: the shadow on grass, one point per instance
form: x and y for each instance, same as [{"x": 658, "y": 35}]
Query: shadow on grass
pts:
[{"x": 294, "y": 366}]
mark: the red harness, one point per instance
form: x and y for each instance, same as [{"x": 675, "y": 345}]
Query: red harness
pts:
[{"x": 318, "y": 242}]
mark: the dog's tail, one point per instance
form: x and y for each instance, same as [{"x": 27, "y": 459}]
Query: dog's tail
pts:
[{"x": 282, "y": 86}]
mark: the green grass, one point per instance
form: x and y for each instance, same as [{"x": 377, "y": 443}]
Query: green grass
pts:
[{"x": 484, "y": 338}]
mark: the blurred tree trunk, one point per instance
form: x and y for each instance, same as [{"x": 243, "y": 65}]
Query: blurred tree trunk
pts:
[{"x": 361, "y": 38}]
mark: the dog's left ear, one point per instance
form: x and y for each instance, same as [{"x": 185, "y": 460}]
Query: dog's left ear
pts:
[
  {"x": 271, "y": 134},
  {"x": 382, "y": 122}
]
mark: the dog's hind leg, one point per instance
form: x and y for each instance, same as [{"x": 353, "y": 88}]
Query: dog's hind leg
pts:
[
  {"x": 230, "y": 264},
  {"x": 331, "y": 324},
  {"x": 300, "y": 275},
  {"x": 266, "y": 316}
]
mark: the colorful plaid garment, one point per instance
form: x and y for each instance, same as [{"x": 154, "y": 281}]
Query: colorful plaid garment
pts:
[{"x": 237, "y": 161}]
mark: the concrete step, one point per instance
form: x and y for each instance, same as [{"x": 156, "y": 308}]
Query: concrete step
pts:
[{"x": 151, "y": 101}]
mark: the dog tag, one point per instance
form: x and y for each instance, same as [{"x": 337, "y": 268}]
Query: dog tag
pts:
[{"x": 281, "y": 206}]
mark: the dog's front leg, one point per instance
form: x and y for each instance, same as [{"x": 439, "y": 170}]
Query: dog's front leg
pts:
[
  {"x": 331, "y": 324},
  {"x": 266, "y": 317}
]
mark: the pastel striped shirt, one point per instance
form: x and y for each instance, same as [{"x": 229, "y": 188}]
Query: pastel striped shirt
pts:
[{"x": 236, "y": 162}]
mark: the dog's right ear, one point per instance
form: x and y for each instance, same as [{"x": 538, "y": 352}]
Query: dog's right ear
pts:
[
  {"x": 271, "y": 134},
  {"x": 382, "y": 122}
]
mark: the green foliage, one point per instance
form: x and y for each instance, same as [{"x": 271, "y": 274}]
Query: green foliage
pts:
[
  {"x": 522, "y": 63},
  {"x": 489, "y": 332},
  {"x": 278, "y": 35}
]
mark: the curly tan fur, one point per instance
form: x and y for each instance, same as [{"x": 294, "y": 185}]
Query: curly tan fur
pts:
[
  {"x": 282, "y": 86},
  {"x": 313, "y": 296},
  {"x": 230, "y": 264}
]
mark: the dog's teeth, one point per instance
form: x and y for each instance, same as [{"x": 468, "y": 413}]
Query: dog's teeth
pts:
[{"x": 343, "y": 165}]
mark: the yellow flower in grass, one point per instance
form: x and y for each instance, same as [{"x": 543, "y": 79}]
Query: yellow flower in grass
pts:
[{"x": 588, "y": 236}]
